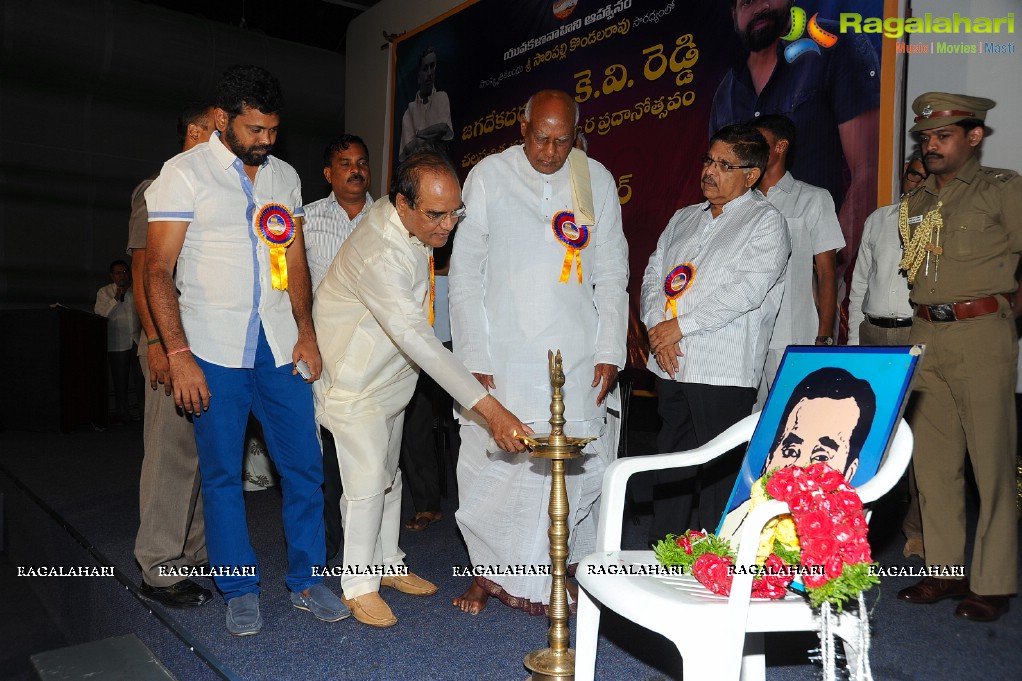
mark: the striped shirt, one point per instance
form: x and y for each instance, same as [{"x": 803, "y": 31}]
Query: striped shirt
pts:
[
  {"x": 727, "y": 313},
  {"x": 223, "y": 271},
  {"x": 326, "y": 227}
]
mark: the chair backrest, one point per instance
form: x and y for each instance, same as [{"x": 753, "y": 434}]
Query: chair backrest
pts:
[{"x": 836, "y": 404}]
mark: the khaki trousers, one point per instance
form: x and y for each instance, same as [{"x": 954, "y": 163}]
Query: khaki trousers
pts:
[
  {"x": 878, "y": 335},
  {"x": 965, "y": 401},
  {"x": 171, "y": 527}
]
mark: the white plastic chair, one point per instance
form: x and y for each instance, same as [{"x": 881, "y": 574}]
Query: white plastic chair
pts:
[{"x": 718, "y": 637}]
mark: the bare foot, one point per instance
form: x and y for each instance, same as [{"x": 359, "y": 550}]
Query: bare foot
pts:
[{"x": 473, "y": 600}]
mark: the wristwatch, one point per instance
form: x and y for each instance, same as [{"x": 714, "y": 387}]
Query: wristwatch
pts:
[{"x": 825, "y": 340}]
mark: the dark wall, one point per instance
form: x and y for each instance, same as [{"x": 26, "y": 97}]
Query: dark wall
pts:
[{"x": 90, "y": 91}]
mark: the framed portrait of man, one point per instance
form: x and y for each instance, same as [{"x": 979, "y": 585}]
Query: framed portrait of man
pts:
[{"x": 839, "y": 405}]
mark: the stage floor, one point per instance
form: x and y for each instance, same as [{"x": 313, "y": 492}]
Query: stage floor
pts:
[{"x": 63, "y": 491}]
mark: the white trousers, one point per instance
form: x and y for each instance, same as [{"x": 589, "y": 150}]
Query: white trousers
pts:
[
  {"x": 371, "y": 529},
  {"x": 367, "y": 434}
]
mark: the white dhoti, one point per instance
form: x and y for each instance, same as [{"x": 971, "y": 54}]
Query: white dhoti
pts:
[
  {"x": 367, "y": 433},
  {"x": 504, "y": 509}
]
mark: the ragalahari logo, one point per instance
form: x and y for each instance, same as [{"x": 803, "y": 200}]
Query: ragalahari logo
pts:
[{"x": 798, "y": 45}]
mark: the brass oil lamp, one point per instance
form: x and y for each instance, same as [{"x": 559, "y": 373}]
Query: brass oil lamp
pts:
[{"x": 558, "y": 660}]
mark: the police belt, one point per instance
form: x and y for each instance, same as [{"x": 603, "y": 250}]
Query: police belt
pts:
[
  {"x": 950, "y": 312},
  {"x": 890, "y": 322}
]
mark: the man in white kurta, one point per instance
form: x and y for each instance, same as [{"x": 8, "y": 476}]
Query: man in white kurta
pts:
[
  {"x": 373, "y": 313},
  {"x": 530, "y": 274}
]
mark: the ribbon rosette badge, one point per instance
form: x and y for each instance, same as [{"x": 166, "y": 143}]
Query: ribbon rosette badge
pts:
[
  {"x": 276, "y": 226},
  {"x": 575, "y": 238},
  {"x": 677, "y": 282}
]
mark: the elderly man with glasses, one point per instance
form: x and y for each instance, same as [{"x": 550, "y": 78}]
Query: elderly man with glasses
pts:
[
  {"x": 373, "y": 313},
  {"x": 710, "y": 295}
]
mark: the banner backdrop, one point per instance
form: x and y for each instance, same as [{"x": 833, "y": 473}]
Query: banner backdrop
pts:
[{"x": 644, "y": 73}]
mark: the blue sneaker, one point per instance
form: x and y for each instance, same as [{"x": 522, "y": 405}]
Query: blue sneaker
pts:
[
  {"x": 243, "y": 618},
  {"x": 321, "y": 602}
]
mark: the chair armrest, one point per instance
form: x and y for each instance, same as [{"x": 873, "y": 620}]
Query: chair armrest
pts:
[
  {"x": 615, "y": 480},
  {"x": 737, "y": 614}
]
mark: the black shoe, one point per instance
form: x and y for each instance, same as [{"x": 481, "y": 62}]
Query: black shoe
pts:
[{"x": 184, "y": 594}]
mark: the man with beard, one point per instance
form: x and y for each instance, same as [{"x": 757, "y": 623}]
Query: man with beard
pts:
[
  {"x": 328, "y": 222},
  {"x": 710, "y": 295},
  {"x": 832, "y": 96},
  {"x": 962, "y": 231},
  {"x": 427, "y": 121},
  {"x": 230, "y": 216}
]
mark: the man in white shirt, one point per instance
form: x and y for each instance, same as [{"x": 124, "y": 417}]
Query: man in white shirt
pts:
[
  {"x": 710, "y": 295},
  {"x": 116, "y": 302},
  {"x": 540, "y": 263},
  {"x": 879, "y": 311},
  {"x": 427, "y": 120},
  {"x": 230, "y": 216},
  {"x": 815, "y": 235},
  {"x": 328, "y": 222},
  {"x": 373, "y": 313}
]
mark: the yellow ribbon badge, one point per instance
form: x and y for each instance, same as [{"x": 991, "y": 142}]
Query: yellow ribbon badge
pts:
[
  {"x": 432, "y": 292},
  {"x": 575, "y": 238},
  {"x": 276, "y": 227},
  {"x": 677, "y": 282}
]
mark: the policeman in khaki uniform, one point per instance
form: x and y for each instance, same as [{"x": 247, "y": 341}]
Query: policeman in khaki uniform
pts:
[{"x": 962, "y": 235}]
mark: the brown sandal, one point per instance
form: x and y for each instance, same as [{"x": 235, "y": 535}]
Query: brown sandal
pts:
[{"x": 423, "y": 519}]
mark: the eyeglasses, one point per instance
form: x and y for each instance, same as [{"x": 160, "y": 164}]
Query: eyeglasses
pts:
[
  {"x": 436, "y": 217},
  {"x": 915, "y": 175},
  {"x": 723, "y": 165}
]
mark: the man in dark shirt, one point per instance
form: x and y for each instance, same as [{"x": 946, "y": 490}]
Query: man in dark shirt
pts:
[{"x": 831, "y": 94}]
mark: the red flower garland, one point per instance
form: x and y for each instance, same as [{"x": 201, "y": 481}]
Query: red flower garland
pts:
[
  {"x": 829, "y": 520},
  {"x": 831, "y": 528}
]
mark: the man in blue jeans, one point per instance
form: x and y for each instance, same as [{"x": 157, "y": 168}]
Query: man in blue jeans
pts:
[{"x": 229, "y": 216}]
